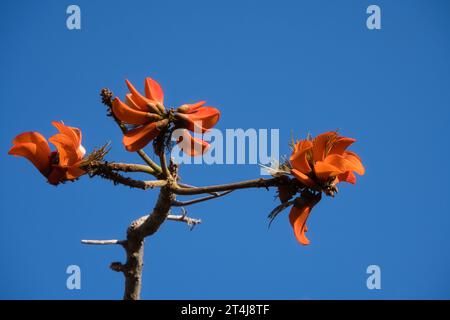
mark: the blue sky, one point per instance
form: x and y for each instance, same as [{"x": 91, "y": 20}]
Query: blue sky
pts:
[{"x": 300, "y": 66}]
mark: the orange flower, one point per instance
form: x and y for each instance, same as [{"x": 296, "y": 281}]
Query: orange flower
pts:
[
  {"x": 57, "y": 166},
  {"x": 196, "y": 118},
  {"x": 149, "y": 116},
  {"x": 322, "y": 162}
]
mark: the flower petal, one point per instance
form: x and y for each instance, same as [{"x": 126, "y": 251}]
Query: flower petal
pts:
[
  {"x": 325, "y": 170},
  {"x": 72, "y": 132},
  {"x": 153, "y": 90},
  {"x": 356, "y": 162},
  {"x": 304, "y": 178},
  {"x": 34, "y": 147},
  {"x": 138, "y": 138},
  {"x": 142, "y": 102},
  {"x": 74, "y": 172},
  {"x": 321, "y": 143},
  {"x": 340, "y": 145},
  {"x": 202, "y": 119},
  {"x": 68, "y": 150},
  {"x": 347, "y": 176},
  {"x": 129, "y": 115},
  {"x": 190, "y": 107},
  {"x": 191, "y": 145},
  {"x": 297, "y": 218},
  {"x": 299, "y": 158}
]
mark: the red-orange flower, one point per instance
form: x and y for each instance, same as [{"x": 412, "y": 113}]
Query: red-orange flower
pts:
[
  {"x": 57, "y": 166},
  {"x": 324, "y": 161},
  {"x": 149, "y": 117},
  {"x": 320, "y": 164},
  {"x": 197, "y": 118}
]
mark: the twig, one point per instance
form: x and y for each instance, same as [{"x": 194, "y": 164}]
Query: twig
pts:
[
  {"x": 257, "y": 183},
  {"x": 128, "y": 167},
  {"x": 191, "y": 222},
  {"x": 185, "y": 185},
  {"x": 103, "y": 242},
  {"x": 162, "y": 159},
  {"x": 150, "y": 162},
  {"x": 176, "y": 203},
  {"x": 108, "y": 171}
]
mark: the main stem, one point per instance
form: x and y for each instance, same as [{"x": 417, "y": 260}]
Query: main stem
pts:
[{"x": 134, "y": 245}]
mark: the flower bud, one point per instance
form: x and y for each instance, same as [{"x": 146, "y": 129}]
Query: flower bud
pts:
[{"x": 184, "y": 108}]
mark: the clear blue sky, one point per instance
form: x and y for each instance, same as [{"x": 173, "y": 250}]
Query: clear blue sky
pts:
[{"x": 300, "y": 66}]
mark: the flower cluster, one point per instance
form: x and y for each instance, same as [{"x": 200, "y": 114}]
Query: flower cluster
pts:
[
  {"x": 57, "y": 166},
  {"x": 149, "y": 118},
  {"x": 320, "y": 164}
]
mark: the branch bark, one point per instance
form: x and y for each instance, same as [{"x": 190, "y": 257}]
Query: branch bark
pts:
[
  {"x": 109, "y": 171},
  {"x": 256, "y": 183},
  {"x": 138, "y": 230}
]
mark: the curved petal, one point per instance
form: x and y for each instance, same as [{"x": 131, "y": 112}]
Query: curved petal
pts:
[
  {"x": 191, "y": 145},
  {"x": 142, "y": 102},
  {"x": 72, "y": 132},
  {"x": 339, "y": 162},
  {"x": 303, "y": 178},
  {"x": 356, "y": 162},
  {"x": 321, "y": 144},
  {"x": 202, "y": 119},
  {"x": 138, "y": 138},
  {"x": 74, "y": 172},
  {"x": 34, "y": 147},
  {"x": 348, "y": 176},
  {"x": 149, "y": 107},
  {"x": 340, "y": 145},
  {"x": 348, "y": 162},
  {"x": 132, "y": 104},
  {"x": 153, "y": 90},
  {"x": 297, "y": 218},
  {"x": 129, "y": 115},
  {"x": 325, "y": 170},
  {"x": 190, "y": 107},
  {"x": 299, "y": 159},
  {"x": 68, "y": 151}
]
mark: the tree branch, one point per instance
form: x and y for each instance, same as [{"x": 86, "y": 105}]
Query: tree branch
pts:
[
  {"x": 108, "y": 171},
  {"x": 128, "y": 167},
  {"x": 103, "y": 242},
  {"x": 138, "y": 230},
  {"x": 176, "y": 203},
  {"x": 191, "y": 222},
  {"x": 257, "y": 183}
]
